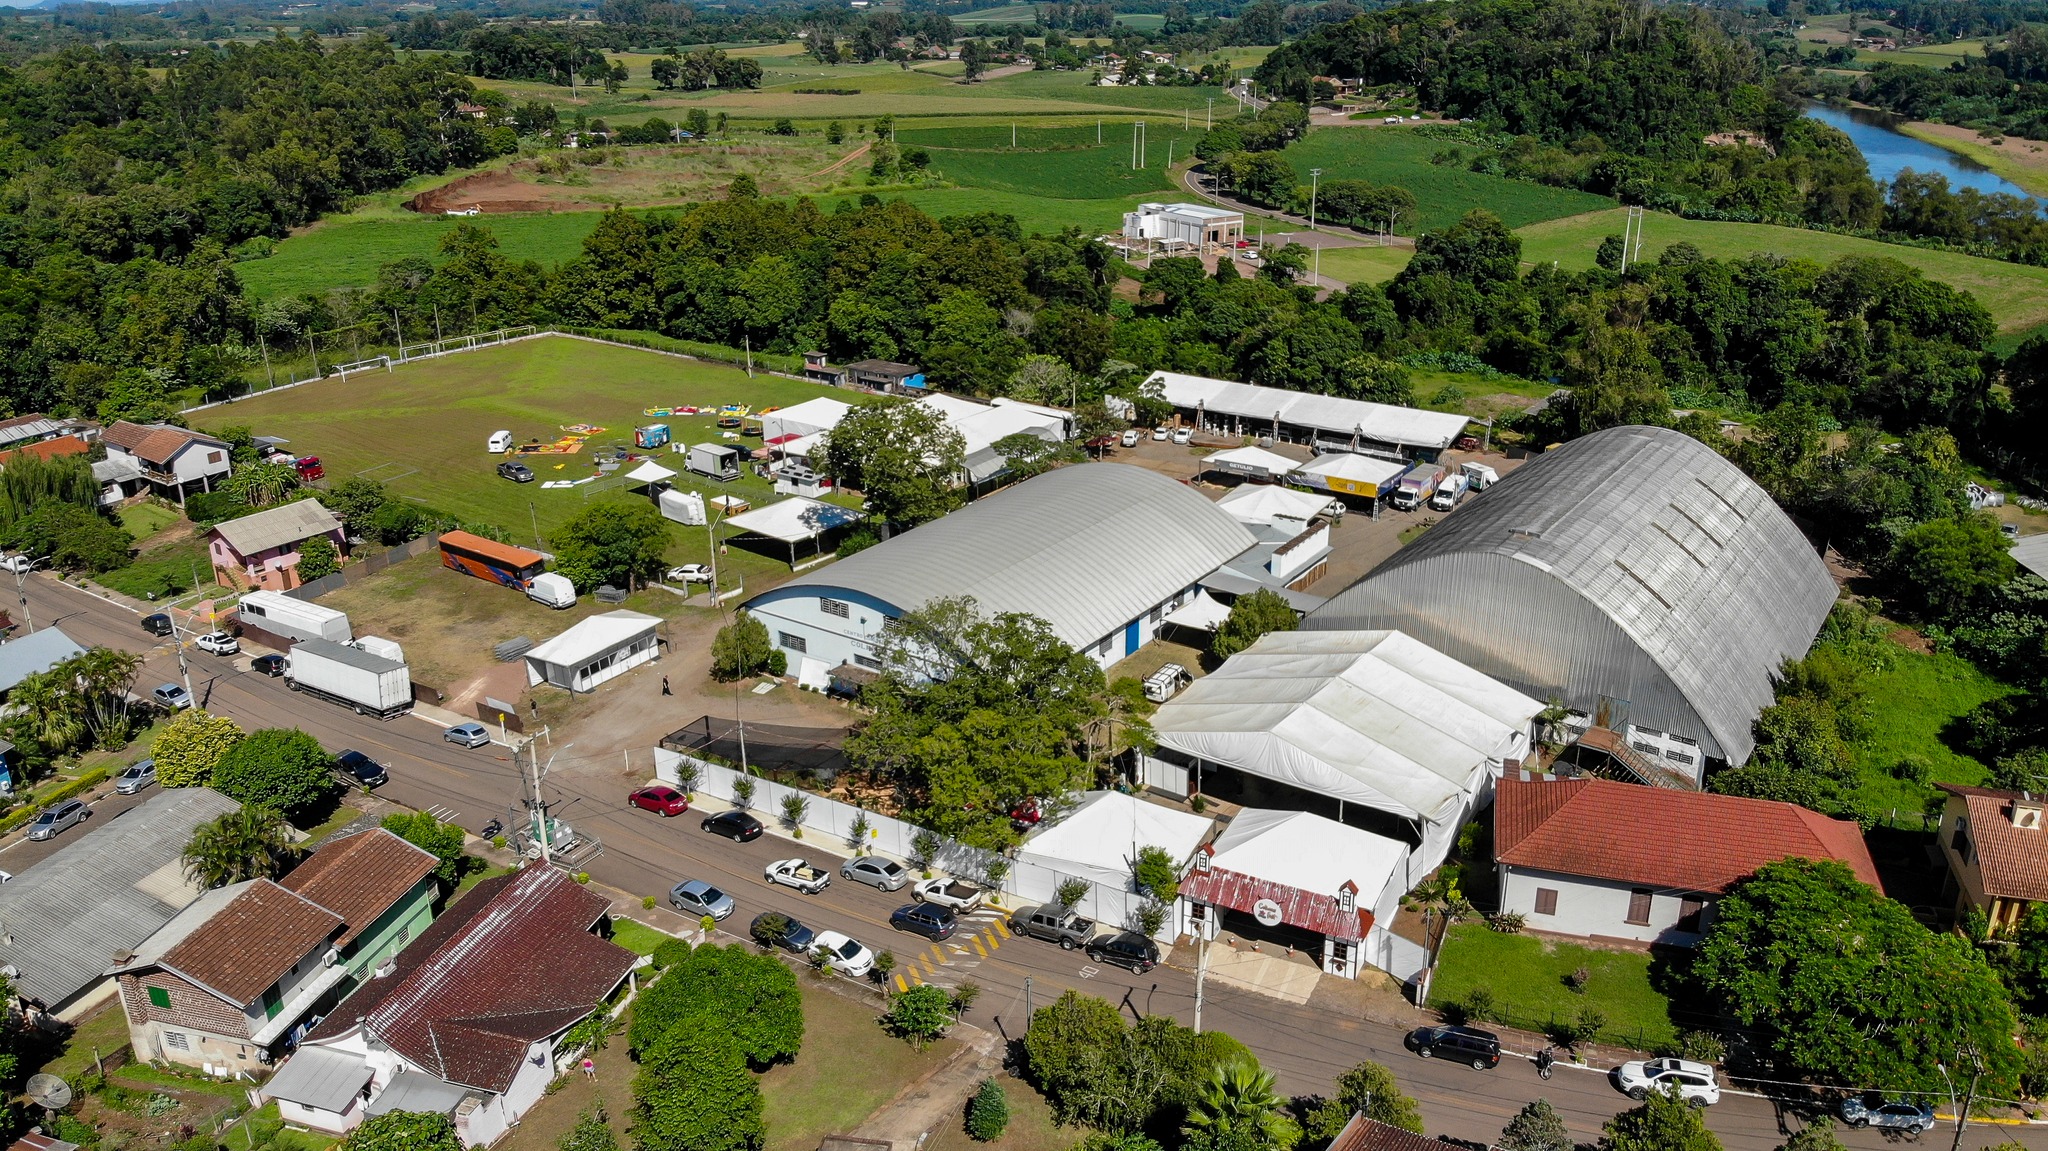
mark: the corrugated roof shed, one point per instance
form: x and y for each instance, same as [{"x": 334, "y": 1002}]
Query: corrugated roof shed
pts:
[
  {"x": 1633, "y": 573},
  {"x": 27, "y": 655},
  {"x": 278, "y": 527},
  {"x": 1335, "y": 416},
  {"x": 63, "y": 920}
]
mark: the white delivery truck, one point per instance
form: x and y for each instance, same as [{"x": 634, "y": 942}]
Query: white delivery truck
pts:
[
  {"x": 552, "y": 589},
  {"x": 281, "y": 615},
  {"x": 718, "y": 461},
  {"x": 349, "y": 676},
  {"x": 1450, "y": 492},
  {"x": 1480, "y": 476}
]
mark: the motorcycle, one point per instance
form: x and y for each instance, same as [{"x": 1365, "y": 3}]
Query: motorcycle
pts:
[
  {"x": 1544, "y": 1059},
  {"x": 491, "y": 830}
]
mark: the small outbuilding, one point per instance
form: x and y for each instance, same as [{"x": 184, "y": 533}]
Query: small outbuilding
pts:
[{"x": 598, "y": 649}]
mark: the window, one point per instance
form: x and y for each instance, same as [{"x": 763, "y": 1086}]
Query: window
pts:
[
  {"x": 176, "y": 1041},
  {"x": 1639, "y": 906},
  {"x": 790, "y": 642},
  {"x": 868, "y": 661},
  {"x": 158, "y": 997},
  {"x": 1678, "y": 757},
  {"x": 1158, "y": 613},
  {"x": 834, "y": 607},
  {"x": 272, "y": 1003},
  {"x": 1960, "y": 841},
  {"x": 1690, "y": 909},
  {"x": 1546, "y": 901},
  {"x": 1103, "y": 648}
]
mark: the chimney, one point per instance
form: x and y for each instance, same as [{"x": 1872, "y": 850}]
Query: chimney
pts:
[{"x": 2026, "y": 812}]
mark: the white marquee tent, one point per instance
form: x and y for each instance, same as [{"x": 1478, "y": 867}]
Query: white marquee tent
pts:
[
  {"x": 1258, "y": 463},
  {"x": 1099, "y": 841},
  {"x": 808, "y": 418},
  {"x": 1368, "y": 717},
  {"x": 1265, "y": 503},
  {"x": 650, "y": 473},
  {"x": 793, "y": 521}
]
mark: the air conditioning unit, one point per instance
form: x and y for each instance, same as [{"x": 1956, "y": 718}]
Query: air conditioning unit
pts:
[{"x": 333, "y": 956}]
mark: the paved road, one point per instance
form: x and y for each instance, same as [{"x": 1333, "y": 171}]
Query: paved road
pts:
[{"x": 646, "y": 854}]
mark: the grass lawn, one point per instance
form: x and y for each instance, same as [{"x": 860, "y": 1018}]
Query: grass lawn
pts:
[
  {"x": 636, "y": 936},
  {"x": 144, "y": 520},
  {"x": 1061, "y": 161},
  {"x": 265, "y": 1123},
  {"x": 340, "y": 817},
  {"x": 1909, "y": 704},
  {"x": 1526, "y": 976},
  {"x": 2016, "y": 295},
  {"x": 848, "y": 1068},
  {"x": 1370, "y": 265},
  {"x": 1443, "y": 192},
  {"x": 119, "y": 758},
  {"x": 1031, "y": 1126},
  {"x": 104, "y": 1033},
  {"x": 170, "y": 568},
  {"x": 343, "y": 252}
]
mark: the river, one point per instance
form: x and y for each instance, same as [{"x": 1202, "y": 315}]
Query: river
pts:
[{"x": 1888, "y": 151}]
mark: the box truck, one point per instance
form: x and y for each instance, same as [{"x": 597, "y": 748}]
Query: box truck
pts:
[
  {"x": 349, "y": 676},
  {"x": 553, "y": 590},
  {"x": 1416, "y": 485},
  {"x": 1449, "y": 492},
  {"x": 714, "y": 460},
  {"x": 281, "y": 615},
  {"x": 1480, "y": 475},
  {"x": 385, "y": 648}
]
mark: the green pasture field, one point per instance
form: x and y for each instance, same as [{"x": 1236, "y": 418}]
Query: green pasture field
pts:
[
  {"x": 2016, "y": 295},
  {"x": 1443, "y": 192},
  {"x": 1007, "y": 14},
  {"x": 1927, "y": 55},
  {"x": 1061, "y": 162},
  {"x": 346, "y": 253},
  {"x": 1368, "y": 265},
  {"x": 421, "y": 428}
]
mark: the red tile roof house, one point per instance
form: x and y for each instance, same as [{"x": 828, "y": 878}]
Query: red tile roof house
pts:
[
  {"x": 226, "y": 983},
  {"x": 467, "y": 1019},
  {"x": 1996, "y": 848},
  {"x": 261, "y": 551},
  {"x": 1620, "y": 861},
  {"x": 175, "y": 462},
  {"x": 1363, "y": 1134}
]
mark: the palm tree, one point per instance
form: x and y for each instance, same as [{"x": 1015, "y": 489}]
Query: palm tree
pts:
[
  {"x": 251, "y": 843},
  {"x": 1238, "y": 1097},
  {"x": 47, "y": 703},
  {"x": 103, "y": 677}
]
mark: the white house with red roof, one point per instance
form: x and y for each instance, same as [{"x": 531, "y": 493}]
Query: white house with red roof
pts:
[
  {"x": 1620, "y": 861},
  {"x": 464, "y": 1022}
]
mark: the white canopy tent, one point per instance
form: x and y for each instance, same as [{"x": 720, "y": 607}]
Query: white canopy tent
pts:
[
  {"x": 819, "y": 414},
  {"x": 1202, "y": 612},
  {"x": 1265, "y": 503},
  {"x": 793, "y": 521},
  {"x": 1258, "y": 463},
  {"x": 650, "y": 473},
  {"x": 1368, "y": 717},
  {"x": 1099, "y": 841}
]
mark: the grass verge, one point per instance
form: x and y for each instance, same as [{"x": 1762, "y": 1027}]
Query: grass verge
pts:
[
  {"x": 1031, "y": 1126},
  {"x": 636, "y": 936},
  {"x": 1526, "y": 977},
  {"x": 1908, "y": 707},
  {"x": 849, "y": 1067}
]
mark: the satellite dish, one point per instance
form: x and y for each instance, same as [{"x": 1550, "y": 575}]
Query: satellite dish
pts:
[{"x": 49, "y": 1092}]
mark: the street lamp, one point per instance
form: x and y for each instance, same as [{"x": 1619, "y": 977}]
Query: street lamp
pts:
[
  {"x": 22, "y": 566},
  {"x": 1315, "y": 177}
]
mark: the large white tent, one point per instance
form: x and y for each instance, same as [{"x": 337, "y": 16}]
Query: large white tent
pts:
[
  {"x": 793, "y": 521},
  {"x": 1264, "y": 503},
  {"x": 1257, "y": 463},
  {"x": 1375, "y": 718},
  {"x": 1099, "y": 841},
  {"x": 815, "y": 415}
]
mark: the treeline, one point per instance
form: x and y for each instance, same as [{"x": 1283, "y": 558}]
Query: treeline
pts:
[
  {"x": 556, "y": 56},
  {"x": 2005, "y": 90}
]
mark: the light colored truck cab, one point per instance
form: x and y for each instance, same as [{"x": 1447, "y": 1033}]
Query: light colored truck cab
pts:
[
  {"x": 1449, "y": 493},
  {"x": 1416, "y": 485}
]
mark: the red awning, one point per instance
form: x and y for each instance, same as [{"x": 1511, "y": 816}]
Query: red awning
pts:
[
  {"x": 1309, "y": 910},
  {"x": 784, "y": 438}
]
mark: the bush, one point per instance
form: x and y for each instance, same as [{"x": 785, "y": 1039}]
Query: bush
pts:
[
  {"x": 1508, "y": 922},
  {"x": 741, "y": 649},
  {"x": 988, "y": 1112},
  {"x": 317, "y": 559},
  {"x": 794, "y": 808},
  {"x": 920, "y": 1014},
  {"x": 743, "y": 792},
  {"x": 670, "y": 952},
  {"x": 1480, "y": 1006},
  {"x": 694, "y": 1093},
  {"x": 752, "y": 999},
  {"x": 1578, "y": 979},
  {"x": 209, "y": 508},
  {"x": 283, "y": 768},
  {"x": 1071, "y": 891}
]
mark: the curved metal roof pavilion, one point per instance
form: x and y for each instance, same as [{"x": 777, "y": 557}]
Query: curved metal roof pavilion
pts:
[{"x": 1633, "y": 573}]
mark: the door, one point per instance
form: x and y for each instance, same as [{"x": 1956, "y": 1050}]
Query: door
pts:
[{"x": 1131, "y": 637}]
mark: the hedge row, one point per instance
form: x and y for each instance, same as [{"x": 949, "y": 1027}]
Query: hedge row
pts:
[{"x": 26, "y": 813}]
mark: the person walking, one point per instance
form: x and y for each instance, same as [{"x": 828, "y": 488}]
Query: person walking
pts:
[
  {"x": 664, "y": 686},
  {"x": 589, "y": 1069}
]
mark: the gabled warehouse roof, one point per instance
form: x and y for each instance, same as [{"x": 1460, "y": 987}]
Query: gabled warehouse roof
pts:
[
  {"x": 1087, "y": 548},
  {"x": 1334, "y": 415}
]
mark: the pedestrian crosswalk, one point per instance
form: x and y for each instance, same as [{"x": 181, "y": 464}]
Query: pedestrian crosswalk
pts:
[{"x": 943, "y": 959}]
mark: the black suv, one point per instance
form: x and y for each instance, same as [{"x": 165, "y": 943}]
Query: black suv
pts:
[
  {"x": 361, "y": 769},
  {"x": 1125, "y": 949},
  {"x": 515, "y": 471},
  {"x": 1464, "y": 1044},
  {"x": 157, "y": 624}
]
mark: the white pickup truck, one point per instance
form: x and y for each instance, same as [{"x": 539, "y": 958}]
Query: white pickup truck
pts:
[
  {"x": 798, "y": 874},
  {"x": 961, "y": 896}
]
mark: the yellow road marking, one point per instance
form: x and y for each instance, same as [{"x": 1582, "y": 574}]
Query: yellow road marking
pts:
[
  {"x": 928, "y": 968},
  {"x": 994, "y": 941},
  {"x": 979, "y": 948},
  {"x": 901, "y": 985},
  {"x": 1003, "y": 929},
  {"x": 914, "y": 977}
]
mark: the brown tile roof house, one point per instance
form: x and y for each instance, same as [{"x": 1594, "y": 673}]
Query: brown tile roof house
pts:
[
  {"x": 511, "y": 964},
  {"x": 47, "y": 450},
  {"x": 1995, "y": 844},
  {"x": 1659, "y": 836},
  {"x": 359, "y": 877},
  {"x": 154, "y": 443},
  {"x": 1362, "y": 1134},
  {"x": 249, "y": 944}
]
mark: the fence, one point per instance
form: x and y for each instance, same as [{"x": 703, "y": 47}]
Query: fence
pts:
[
  {"x": 365, "y": 567},
  {"x": 834, "y": 821},
  {"x": 400, "y": 354}
]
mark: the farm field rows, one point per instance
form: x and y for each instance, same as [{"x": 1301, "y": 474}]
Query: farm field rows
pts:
[
  {"x": 1443, "y": 192},
  {"x": 2015, "y": 294}
]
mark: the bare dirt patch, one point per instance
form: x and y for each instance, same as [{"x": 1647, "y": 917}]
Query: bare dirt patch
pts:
[{"x": 591, "y": 179}]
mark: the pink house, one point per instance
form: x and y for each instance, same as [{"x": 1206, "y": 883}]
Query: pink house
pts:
[{"x": 261, "y": 551}]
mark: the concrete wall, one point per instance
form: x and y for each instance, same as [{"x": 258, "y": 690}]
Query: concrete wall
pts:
[{"x": 1597, "y": 907}]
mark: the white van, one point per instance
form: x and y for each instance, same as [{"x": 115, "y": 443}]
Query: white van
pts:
[
  {"x": 553, "y": 590},
  {"x": 501, "y": 442},
  {"x": 1448, "y": 492}
]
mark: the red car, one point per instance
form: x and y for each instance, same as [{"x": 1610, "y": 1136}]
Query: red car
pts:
[{"x": 661, "y": 799}]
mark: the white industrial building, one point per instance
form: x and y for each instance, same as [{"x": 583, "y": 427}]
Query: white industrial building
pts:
[
  {"x": 597, "y": 649},
  {"x": 1172, "y": 228},
  {"x": 1331, "y": 423},
  {"x": 1100, "y": 552},
  {"x": 1099, "y": 840},
  {"x": 1373, "y": 728}
]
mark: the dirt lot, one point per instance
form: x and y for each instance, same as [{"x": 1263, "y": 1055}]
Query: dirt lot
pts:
[{"x": 591, "y": 180}]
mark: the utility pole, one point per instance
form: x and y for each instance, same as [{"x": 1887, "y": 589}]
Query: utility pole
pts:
[
  {"x": 1212, "y": 112},
  {"x": 1201, "y": 967},
  {"x": 265, "y": 349},
  {"x": 21, "y": 590},
  {"x": 178, "y": 646},
  {"x": 1969, "y": 1097},
  {"x": 1315, "y": 180}
]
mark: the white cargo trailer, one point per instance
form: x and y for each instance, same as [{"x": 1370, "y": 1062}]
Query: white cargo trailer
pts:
[
  {"x": 281, "y": 615},
  {"x": 349, "y": 676}
]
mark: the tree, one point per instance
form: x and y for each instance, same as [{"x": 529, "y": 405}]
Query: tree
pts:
[
  {"x": 281, "y": 768},
  {"x": 75, "y": 539},
  {"x": 694, "y": 1093},
  {"x": 1252, "y": 616},
  {"x": 1370, "y": 1088},
  {"x": 137, "y": 395},
  {"x": 1238, "y": 1100},
  {"x": 1842, "y": 984},
  {"x": 1067, "y": 1049},
  {"x": 1535, "y": 1127},
  {"x": 920, "y": 1014},
  {"x": 404, "y": 1131},
  {"x": 1662, "y": 1123},
  {"x": 355, "y": 499},
  {"x": 191, "y": 745},
  {"x": 593, "y": 1130},
  {"x": 317, "y": 559},
  {"x": 260, "y": 485},
  {"x": 1817, "y": 1135},
  {"x": 617, "y": 542},
  {"x": 1945, "y": 565},
  {"x": 988, "y": 1112},
  {"x": 751, "y": 999},
  {"x": 249, "y": 843},
  {"x": 741, "y": 648},
  {"x": 443, "y": 841},
  {"x": 902, "y": 457},
  {"x": 663, "y": 71},
  {"x": 1157, "y": 874}
]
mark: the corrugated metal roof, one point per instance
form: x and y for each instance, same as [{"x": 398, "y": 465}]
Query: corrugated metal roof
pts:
[
  {"x": 36, "y": 652},
  {"x": 319, "y": 1078},
  {"x": 1644, "y": 529},
  {"x": 278, "y": 527},
  {"x": 63, "y": 920},
  {"x": 593, "y": 637},
  {"x": 1339, "y": 417},
  {"x": 1086, "y": 548}
]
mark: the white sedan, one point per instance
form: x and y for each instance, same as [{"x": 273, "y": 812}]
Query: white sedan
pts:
[
  {"x": 1159, "y": 433},
  {"x": 844, "y": 954},
  {"x": 1695, "y": 1081},
  {"x": 219, "y": 643},
  {"x": 799, "y": 874},
  {"x": 1183, "y": 435}
]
